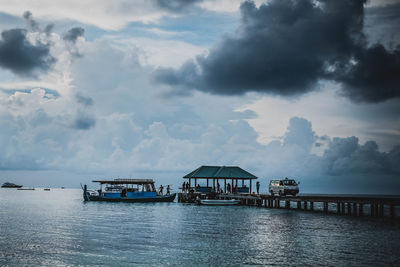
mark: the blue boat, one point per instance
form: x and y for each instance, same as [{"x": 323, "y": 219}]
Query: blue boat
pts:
[{"x": 126, "y": 190}]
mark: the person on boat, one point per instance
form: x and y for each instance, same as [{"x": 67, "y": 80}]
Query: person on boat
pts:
[
  {"x": 161, "y": 189},
  {"x": 258, "y": 187},
  {"x": 229, "y": 188},
  {"x": 218, "y": 187},
  {"x": 168, "y": 190}
]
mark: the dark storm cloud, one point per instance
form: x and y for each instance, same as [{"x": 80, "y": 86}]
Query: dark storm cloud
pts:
[
  {"x": 346, "y": 156},
  {"x": 73, "y": 34},
  {"x": 286, "y": 47},
  {"x": 22, "y": 57},
  {"x": 176, "y": 5},
  {"x": 84, "y": 122}
]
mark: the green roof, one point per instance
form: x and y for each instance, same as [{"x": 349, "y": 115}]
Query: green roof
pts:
[{"x": 223, "y": 172}]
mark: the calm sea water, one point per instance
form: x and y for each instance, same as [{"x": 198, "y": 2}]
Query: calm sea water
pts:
[{"x": 58, "y": 228}]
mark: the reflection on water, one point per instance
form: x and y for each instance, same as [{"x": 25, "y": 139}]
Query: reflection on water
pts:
[{"x": 58, "y": 228}]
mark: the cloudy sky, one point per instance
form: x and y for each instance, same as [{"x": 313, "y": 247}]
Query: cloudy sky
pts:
[{"x": 307, "y": 89}]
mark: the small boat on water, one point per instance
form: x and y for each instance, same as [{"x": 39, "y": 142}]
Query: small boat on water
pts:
[
  {"x": 126, "y": 190},
  {"x": 46, "y": 189},
  {"x": 26, "y": 189},
  {"x": 218, "y": 202},
  {"x": 10, "y": 185}
]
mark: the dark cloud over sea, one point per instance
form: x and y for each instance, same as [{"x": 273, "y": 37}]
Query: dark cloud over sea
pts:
[
  {"x": 22, "y": 57},
  {"x": 287, "y": 47}
]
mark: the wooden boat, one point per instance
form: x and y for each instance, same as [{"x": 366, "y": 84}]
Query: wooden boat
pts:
[
  {"x": 126, "y": 190},
  {"x": 26, "y": 189},
  {"x": 10, "y": 185},
  {"x": 46, "y": 189},
  {"x": 218, "y": 202}
]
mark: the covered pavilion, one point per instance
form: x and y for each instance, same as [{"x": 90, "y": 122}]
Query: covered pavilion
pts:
[{"x": 216, "y": 173}]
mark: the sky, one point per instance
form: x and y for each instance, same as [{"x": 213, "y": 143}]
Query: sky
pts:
[{"x": 307, "y": 89}]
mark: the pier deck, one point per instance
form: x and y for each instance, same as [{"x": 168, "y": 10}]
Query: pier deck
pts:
[{"x": 354, "y": 205}]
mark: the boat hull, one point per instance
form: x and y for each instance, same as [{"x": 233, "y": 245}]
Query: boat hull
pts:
[
  {"x": 219, "y": 202},
  {"x": 163, "y": 198},
  {"x": 11, "y": 186}
]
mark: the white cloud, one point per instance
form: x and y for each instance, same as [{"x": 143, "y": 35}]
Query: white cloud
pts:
[
  {"x": 330, "y": 114},
  {"x": 158, "y": 53},
  {"x": 109, "y": 15}
]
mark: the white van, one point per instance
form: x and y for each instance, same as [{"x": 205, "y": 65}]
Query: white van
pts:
[{"x": 284, "y": 187}]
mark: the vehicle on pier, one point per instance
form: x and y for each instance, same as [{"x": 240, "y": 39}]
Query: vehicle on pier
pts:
[
  {"x": 126, "y": 190},
  {"x": 283, "y": 187}
]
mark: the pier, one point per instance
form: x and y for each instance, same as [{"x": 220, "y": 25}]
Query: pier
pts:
[
  {"x": 368, "y": 206},
  {"x": 353, "y": 205}
]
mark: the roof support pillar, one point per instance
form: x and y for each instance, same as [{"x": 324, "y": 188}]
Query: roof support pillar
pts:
[{"x": 225, "y": 186}]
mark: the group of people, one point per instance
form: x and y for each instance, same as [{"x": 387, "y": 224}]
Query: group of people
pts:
[
  {"x": 160, "y": 191},
  {"x": 218, "y": 189},
  {"x": 185, "y": 187}
]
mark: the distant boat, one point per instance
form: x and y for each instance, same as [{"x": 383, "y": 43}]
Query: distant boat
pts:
[
  {"x": 46, "y": 189},
  {"x": 11, "y": 185},
  {"x": 218, "y": 202},
  {"x": 126, "y": 190},
  {"x": 62, "y": 187},
  {"x": 26, "y": 189}
]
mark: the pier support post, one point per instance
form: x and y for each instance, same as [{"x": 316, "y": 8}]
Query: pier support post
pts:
[
  {"x": 298, "y": 205},
  {"x": 305, "y": 205},
  {"x": 354, "y": 209},
  {"x": 372, "y": 210},
  {"x": 348, "y": 208},
  {"x": 381, "y": 210},
  {"x": 312, "y": 206},
  {"x": 287, "y": 204},
  {"x": 376, "y": 210},
  {"x": 342, "y": 208},
  {"x": 326, "y": 207},
  {"x": 360, "y": 209},
  {"x": 392, "y": 212},
  {"x": 338, "y": 208}
]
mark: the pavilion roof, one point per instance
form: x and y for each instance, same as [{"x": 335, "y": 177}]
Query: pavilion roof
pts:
[{"x": 222, "y": 172}]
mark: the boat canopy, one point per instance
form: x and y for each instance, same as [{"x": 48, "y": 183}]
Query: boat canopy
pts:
[{"x": 125, "y": 181}]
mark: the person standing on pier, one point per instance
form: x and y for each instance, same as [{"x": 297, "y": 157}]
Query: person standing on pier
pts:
[
  {"x": 218, "y": 187},
  {"x": 258, "y": 187},
  {"x": 183, "y": 187},
  {"x": 228, "y": 188}
]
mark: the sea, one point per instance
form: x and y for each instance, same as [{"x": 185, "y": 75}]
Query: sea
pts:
[{"x": 57, "y": 228}]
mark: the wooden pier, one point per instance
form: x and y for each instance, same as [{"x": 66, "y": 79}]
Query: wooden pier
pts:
[
  {"x": 237, "y": 184},
  {"x": 369, "y": 206}
]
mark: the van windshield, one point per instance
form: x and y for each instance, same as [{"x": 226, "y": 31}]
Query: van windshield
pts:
[{"x": 289, "y": 182}]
